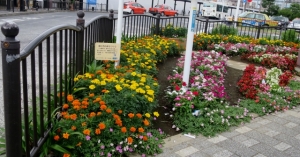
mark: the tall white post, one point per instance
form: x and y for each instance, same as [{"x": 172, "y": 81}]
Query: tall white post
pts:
[
  {"x": 119, "y": 25},
  {"x": 189, "y": 42},
  {"x": 237, "y": 11}
]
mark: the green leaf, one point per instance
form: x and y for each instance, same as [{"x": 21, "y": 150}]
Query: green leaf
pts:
[
  {"x": 79, "y": 89},
  {"x": 60, "y": 149}
]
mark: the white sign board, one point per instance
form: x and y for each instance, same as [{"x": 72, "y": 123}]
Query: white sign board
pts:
[{"x": 107, "y": 51}]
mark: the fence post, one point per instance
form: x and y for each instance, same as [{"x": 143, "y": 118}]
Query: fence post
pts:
[
  {"x": 206, "y": 25},
  {"x": 79, "y": 42},
  {"x": 111, "y": 14},
  {"x": 258, "y": 32},
  {"x": 111, "y": 17},
  {"x": 157, "y": 30},
  {"x": 11, "y": 89}
]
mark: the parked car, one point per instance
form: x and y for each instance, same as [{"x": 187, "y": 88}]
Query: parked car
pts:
[
  {"x": 295, "y": 24},
  {"x": 163, "y": 10},
  {"x": 283, "y": 21},
  {"x": 256, "y": 19},
  {"x": 133, "y": 8}
]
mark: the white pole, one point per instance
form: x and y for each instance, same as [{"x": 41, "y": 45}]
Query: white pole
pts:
[
  {"x": 189, "y": 43},
  {"x": 237, "y": 11},
  {"x": 119, "y": 26}
]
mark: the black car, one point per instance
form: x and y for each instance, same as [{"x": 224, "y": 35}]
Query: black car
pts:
[{"x": 283, "y": 21}]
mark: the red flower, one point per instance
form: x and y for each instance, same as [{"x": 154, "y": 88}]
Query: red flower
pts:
[
  {"x": 177, "y": 88},
  {"x": 184, "y": 84},
  {"x": 195, "y": 93}
]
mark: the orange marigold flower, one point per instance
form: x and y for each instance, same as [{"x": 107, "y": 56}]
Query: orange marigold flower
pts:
[
  {"x": 73, "y": 116},
  {"x": 120, "y": 111},
  {"x": 70, "y": 98},
  {"x": 92, "y": 114},
  {"x": 97, "y": 100},
  {"x": 56, "y": 137},
  {"x": 101, "y": 126},
  {"x": 123, "y": 129},
  {"x": 130, "y": 115},
  {"x": 91, "y": 95},
  {"x": 146, "y": 122},
  {"x": 108, "y": 110},
  {"x": 77, "y": 107},
  {"x": 97, "y": 131},
  {"x": 103, "y": 107},
  {"x": 78, "y": 144},
  {"x": 145, "y": 138},
  {"x": 85, "y": 103},
  {"x": 76, "y": 103},
  {"x": 99, "y": 113},
  {"x": 66, "y": 155},
  {"x": 132, "y": 129},
  {"x": 60, "y": 94},
  {"x": 67, "y": 116},
  {"x": 129, "y": 140},
  {"x": 66, "y": 135},
  {"x": 83, "y": 124},
  {"x": 116, "y": 116},
  {"x": 65, "y": 106},
  {"x": 141, "y": 130},
  {"x": 139, "y": 115},
  {"x": 119, "y": 122},
  {"x": 86, "y": 132},
  {"x": 102, "y": 102},
  {"x": 73, "y": 127}
]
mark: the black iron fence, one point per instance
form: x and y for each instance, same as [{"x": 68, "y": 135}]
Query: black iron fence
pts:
[
  {"x": 141, "y": 25},
  {"x": 37, "y": 80},
  {"x": 46, "y": 67}
]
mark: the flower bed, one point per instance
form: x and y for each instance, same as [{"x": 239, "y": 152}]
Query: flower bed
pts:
[
  {"x": 201, "y": 107},
  {"x": 110, "y": 111}
]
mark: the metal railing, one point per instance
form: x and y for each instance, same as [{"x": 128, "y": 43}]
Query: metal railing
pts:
[
  {"x": 141, "y": 25},
  {"x": 46, "y": 67}
]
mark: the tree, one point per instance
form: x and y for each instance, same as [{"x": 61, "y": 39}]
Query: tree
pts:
[
  {"x": 267, "y": 4},
  {"x": 273, "y": 10},
  {"x": 295, "y": 9},
  {"x": 286, "y": 12}
]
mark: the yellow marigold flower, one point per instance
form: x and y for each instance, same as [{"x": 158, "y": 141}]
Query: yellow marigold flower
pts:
[
  {"x": 148, "y": 115},
  {"x": 156, "y": 114},
  {"x": 103, "y": 83},
  {"x": 155, "y": 84},
  {"x": 133, "y": 73},
  {"x": 150, "y": 92},
  {"x": 92, "y": 87},
  {"x": 118, "y": 87},
  {"x": 150, "y": 99},
  {"x": 66, "y": 135},
  {"x": 76, "y": 79},
  {"x": 147, "y": 87},
  {"x": 143, "y": 79}
]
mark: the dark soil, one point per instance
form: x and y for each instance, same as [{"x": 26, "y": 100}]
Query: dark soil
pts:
[{"x": 165, "y": 108}]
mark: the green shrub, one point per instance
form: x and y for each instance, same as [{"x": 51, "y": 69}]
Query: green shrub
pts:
[
  {"x": 225, "y": 30},
  {"x": 290, "y": 36}
]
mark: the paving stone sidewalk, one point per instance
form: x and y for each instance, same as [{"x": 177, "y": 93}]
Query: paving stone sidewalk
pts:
[{"x": 275, "y": 135}]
